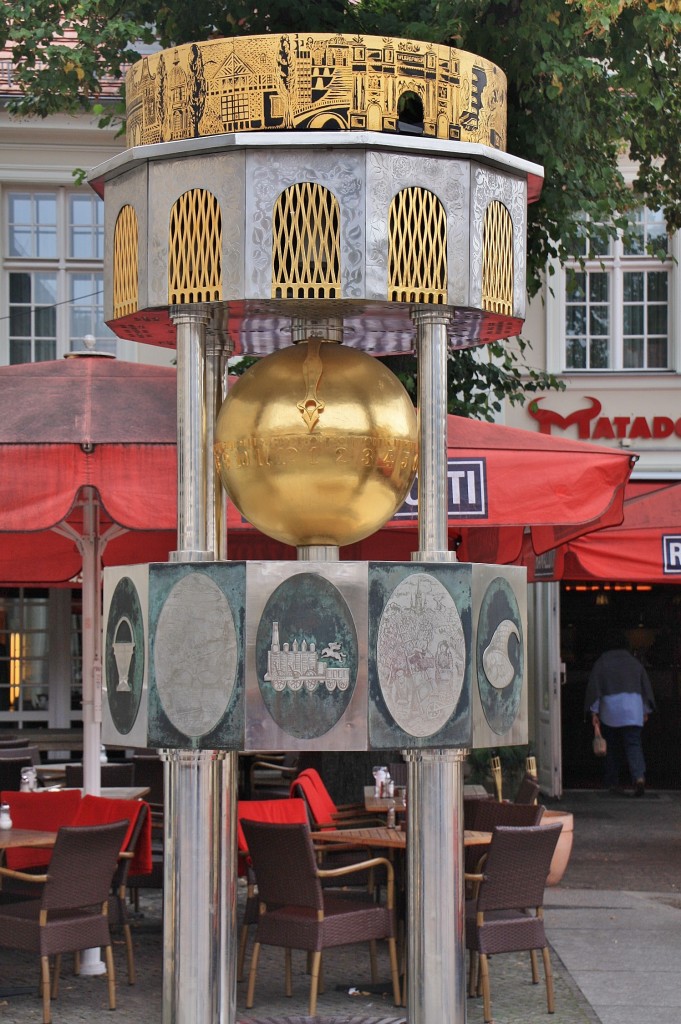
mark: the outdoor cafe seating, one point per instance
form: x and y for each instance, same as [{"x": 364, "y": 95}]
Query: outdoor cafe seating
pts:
[
  {"x": 70, "y": 914},
  {"x": 297, "y": 912},
  {"x": 505, "y": 914}
]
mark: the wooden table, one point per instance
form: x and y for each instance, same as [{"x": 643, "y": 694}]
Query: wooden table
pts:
[
  {"x": 388, "y": 838},
  {"x": 13, "y": 837}
]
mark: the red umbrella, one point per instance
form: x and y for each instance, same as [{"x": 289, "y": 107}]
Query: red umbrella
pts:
[
  {"x": 644, "y": 548},
  {"x": 501, "y": 480},
  {"x": 87, "y": 477}
]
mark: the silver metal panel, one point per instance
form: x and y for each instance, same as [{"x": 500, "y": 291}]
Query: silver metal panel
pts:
[
  {"x": 449, "y": 179},
  {"x": 343, "y": 584},
  {"x": 269, "y": 171},
  {"x": 357, "y": 140},
  {"x": 125, "y": 696},
  {"x": 488, "y": 184},
  {"x": 222, "y": 174},
  {"x": 499, "y": 688},
  {"x": 128, "y": 189}
]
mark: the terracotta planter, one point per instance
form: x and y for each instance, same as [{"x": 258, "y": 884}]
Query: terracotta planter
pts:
[{"x": 564, "y": 847}]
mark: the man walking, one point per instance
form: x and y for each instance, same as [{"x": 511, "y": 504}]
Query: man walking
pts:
[{"x": 620, "y": 698}]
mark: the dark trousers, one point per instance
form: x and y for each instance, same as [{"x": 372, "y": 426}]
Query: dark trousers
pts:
[{"x": 624, "y": 749}]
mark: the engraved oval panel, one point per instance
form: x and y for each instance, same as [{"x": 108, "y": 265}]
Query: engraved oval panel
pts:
[
  {"x": 124, "y": 655},
  {"x": 421, "y": 654},
  {"x": 195, "y": 655},
  {"x": 500, "y": 655},
  {"x": 306, "y": 655}
]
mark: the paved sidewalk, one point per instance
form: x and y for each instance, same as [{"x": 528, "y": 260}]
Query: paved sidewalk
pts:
[{"x": 614, "y": 924}]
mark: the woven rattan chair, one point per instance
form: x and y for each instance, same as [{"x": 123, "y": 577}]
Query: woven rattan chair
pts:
[
  {"x": 118, "y": 902},
  {"x": 279, "y": 811},
  {"x": 506, "y": 915},
  {"x": 10, "y": 769},
  {"x": 71, "y": 913},
  {"x": 484, "y": 816},
  {"x": 297, "y": 913},
  {"x": 528, "y": 790}
]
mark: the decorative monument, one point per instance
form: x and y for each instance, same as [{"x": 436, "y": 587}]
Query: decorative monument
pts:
[{"x": 315, "y": 201}]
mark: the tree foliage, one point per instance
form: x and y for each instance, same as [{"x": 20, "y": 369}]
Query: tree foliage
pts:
[{"x": 588, "y": 82}]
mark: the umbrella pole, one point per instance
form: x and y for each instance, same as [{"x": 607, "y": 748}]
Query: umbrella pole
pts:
[
  {"x": 91, "y": 961},
  {"x": 436, "y": 955}
]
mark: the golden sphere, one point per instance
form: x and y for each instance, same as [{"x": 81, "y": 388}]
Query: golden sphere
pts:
[{"x": 317, "y": 444}]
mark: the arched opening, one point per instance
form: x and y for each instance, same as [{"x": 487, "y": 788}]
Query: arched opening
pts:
[{"x": 410, "y": 114}]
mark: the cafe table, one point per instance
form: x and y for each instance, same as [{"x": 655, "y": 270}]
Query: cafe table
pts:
[
  {"x": 11, "y": 838},
  {"x": 388, "y": 838}
]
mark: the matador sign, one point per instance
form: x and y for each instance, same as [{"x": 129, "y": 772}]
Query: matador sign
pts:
[{"x": 592, "y": 426}]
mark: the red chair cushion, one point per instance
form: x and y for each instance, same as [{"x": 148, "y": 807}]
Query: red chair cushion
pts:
[
  {"x": 272, "y": 811},
  {"x": 102, "y": 810},
  {"x": 46, "y": 811},
  {"x": 322, "y": 807}
]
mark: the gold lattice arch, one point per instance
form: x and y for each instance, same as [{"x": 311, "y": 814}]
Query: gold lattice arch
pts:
[
  {"x": 126, "y": 263},
  {"x": 306, "y": 243},
  {"x": 195, "y": 249},
  {"x": 417, "y": 247},
  {"x": 497, "y": 259}
]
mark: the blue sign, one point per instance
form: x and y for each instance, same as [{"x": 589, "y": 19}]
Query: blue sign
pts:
[
  {"x": 466, "y": 491},
  {"x": 671, "y": 553}
]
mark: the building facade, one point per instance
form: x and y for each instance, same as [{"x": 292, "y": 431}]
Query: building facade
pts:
[
  {"x": 51, "y": 303},
  {"x": 610, "y": 329}
]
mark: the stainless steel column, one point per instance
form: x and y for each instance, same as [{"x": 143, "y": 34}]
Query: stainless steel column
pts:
[
  {"x": 436, "y": 954},
  {"x": 198, "y": 976},
  {"x": 436, "y": 983},
  {"x": 199, "y": 928}
]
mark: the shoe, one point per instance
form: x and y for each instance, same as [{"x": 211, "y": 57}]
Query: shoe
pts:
[{"x": 639, "y": 787}]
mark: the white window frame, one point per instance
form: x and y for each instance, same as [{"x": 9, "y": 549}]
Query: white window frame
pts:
[
  {"x": 64, "y": 267},
  {"x": 615, "y": 264}
]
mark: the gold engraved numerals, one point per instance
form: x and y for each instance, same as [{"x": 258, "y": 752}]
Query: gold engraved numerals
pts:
[{"x": 388, "y": 456}]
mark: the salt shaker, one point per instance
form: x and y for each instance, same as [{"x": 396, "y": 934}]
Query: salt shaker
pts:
[
  {"x": 5, "y": 819},
  {"x": 391, "y": 815},
  {"x": 391, "y": 788}
]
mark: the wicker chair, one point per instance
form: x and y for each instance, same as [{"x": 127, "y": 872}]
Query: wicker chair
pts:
[
  {"x": 71, "y": 913},
  {"x": 297, "y": 913},
  {"x": 279, "y": 811},
  {"x": 528, "y": 790},
  {"x": 506, "y": 915},
  {"x": 323, "y": 811},
  {"x": 484, "y": 816},
  {"x": 10, "y": 769}
]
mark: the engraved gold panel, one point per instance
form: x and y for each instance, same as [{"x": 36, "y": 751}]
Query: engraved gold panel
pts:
[
  {"x": 306, "y": 243},
  {"x": 126, "y": 263},
  {"x": 497, "y": 259},
  {"x": 195, "y": 248},
  {"x": 315, "y": 82},
  {"x": 417, "y": 247}
]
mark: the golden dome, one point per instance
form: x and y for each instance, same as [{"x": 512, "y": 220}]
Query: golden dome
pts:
[{"x": 317, "y": 444}]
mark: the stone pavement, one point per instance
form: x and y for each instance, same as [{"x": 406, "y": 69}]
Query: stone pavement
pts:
[{"x": 614, "y": 924}]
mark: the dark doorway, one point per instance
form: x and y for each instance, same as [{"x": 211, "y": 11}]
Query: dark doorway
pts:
[{"x": 650, "y": 615}]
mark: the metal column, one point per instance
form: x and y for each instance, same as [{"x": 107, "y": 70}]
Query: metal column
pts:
[
  {"x": 199, "y": 917},
  {"x": 435, "y": 913}
]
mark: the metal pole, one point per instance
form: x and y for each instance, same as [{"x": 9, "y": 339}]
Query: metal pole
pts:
[
  {"x": 199, "y": 924},
  {"x": 436, "y": 977},
  {"x": 199, "y": 978},
  {"x": 435, "y": 911}
]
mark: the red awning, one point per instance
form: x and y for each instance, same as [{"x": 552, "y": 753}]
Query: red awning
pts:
[{"x": 645, "y": 548}]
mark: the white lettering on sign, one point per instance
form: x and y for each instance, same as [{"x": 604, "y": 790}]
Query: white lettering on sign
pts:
[
  {"x": 466, "y": 491},
  {"x": 671, "y": 553}
]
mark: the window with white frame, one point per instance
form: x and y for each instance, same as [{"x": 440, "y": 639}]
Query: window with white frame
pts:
[
  {"x": 53, "y": 248},
  {"x": 616, "y": 303}
]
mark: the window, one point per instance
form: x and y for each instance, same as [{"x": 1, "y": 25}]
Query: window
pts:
[
  {"x": 616, "y": 314},
  {"x": 52, "y": 274}
]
